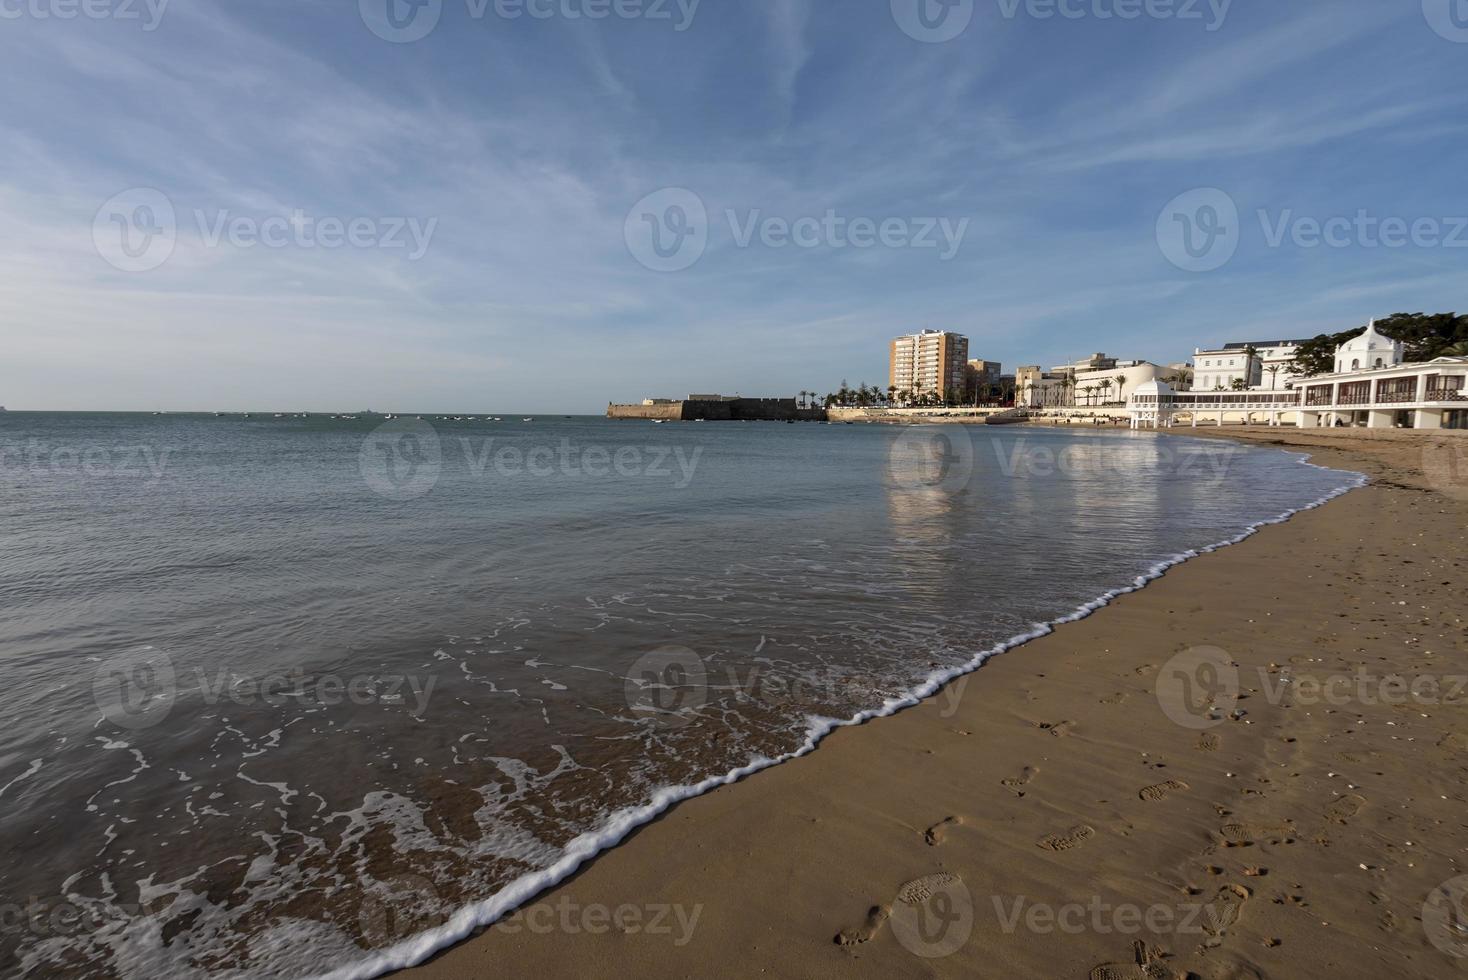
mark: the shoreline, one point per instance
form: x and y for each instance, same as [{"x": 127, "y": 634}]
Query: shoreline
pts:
[{"x": 639, "y": 829}]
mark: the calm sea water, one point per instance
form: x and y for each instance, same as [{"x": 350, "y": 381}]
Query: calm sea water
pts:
[{"x": 285, "y": 694}]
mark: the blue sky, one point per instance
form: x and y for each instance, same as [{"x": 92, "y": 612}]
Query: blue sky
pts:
[{"x": 523, "y": 145}]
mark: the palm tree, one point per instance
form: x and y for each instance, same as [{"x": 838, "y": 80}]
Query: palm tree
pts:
[
  {"x": 1106, "y": 390},
  {"x": 1251, "y": 354}
]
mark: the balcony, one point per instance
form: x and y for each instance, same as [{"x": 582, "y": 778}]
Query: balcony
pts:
[
  {"x": 1397, "y": 396},
  {"x": 1443, "y": 394}
]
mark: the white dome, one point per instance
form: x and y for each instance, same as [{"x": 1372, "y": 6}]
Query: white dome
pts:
[
  {"x": 1152, "y": 388},
  {"x": 1369, "y": 340},
  {"x": 1366, "y": 351}
]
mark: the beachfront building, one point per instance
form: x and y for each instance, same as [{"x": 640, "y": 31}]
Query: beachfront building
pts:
[
  {"x": 1037, "y": 388},
  {"x": 929, "y": 363},
  {"x": 1267, "y": 365},
  {"x": 1113, "y": 385},
  {"x": 1367, "y": 352},
  {"x": 1226, "y": 368},
  {"x": 1375, "y": 390}
]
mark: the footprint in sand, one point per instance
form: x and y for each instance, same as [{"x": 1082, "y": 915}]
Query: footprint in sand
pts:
[
  {"x": 1161, "y": 791},
  {"x": 916, "y": 892},
  {"x": 939, "y": 831},
  {"x": 1242, "y": 834},
  {"x": 919, "y": 890},
  {"x": 1017, "y": 783},
  {"x": 1224, "y": 912},
  {"x": 1146, "y": 965},
  {"x": 1344, "y": 808},
  {"x": 1074, "y": 837},
  {"x": 1208, "y": 742},
  {"x": 876, "y": 918},
  {"x": 1059, "y": 729}
]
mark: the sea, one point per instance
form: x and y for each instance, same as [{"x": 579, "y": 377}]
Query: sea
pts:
[{"x": 296, "y": 695}]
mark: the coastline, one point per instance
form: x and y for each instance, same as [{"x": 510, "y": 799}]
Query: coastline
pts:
[{"x": 855, "y": 819}]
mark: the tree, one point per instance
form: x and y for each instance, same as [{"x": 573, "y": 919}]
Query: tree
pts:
[
  {"x": 1106, "y": 390},
  {"x": 1273, "y": 372},
  {"x": 1251, "y": 354},
  {"x": 1239, "y": 384},
  {"x": 1424, "y": 336}
]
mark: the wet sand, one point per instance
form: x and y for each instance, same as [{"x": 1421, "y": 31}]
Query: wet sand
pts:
[{"x": 1090, "y": 805}]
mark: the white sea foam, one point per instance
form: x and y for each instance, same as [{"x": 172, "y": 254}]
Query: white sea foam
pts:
[{"x": 618, "y": 825}]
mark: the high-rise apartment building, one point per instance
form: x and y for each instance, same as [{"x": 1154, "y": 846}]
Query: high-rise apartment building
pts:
[{"x": 929, "y": 363}]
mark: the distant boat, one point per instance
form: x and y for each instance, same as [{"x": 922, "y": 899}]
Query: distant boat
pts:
[{"x": 527, "y": 420}]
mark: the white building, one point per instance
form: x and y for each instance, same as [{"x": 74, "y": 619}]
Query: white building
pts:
[
  {"x": 1113, "y": 386},
  {"x": 1369, "y": 351},
  {"x": 1375, "y": 390},
  {"x": 1220, "y": 369}
]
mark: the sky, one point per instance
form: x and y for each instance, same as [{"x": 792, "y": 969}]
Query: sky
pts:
[{"x": 549, "y": 205}]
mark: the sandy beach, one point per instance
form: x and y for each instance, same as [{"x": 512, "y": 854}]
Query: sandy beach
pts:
[{"x": 1253, "y": 767}]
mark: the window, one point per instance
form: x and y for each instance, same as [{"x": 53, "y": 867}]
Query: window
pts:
[{"x": 1356, "y": 365}]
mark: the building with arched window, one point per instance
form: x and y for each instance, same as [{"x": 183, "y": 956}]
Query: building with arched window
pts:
[
  {"x": 1369, "y": 351},
  {"x": 1370, "y": 387}
]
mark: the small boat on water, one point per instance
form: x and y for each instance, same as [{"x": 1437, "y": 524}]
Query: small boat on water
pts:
[{"x": 527, "y": 420}]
